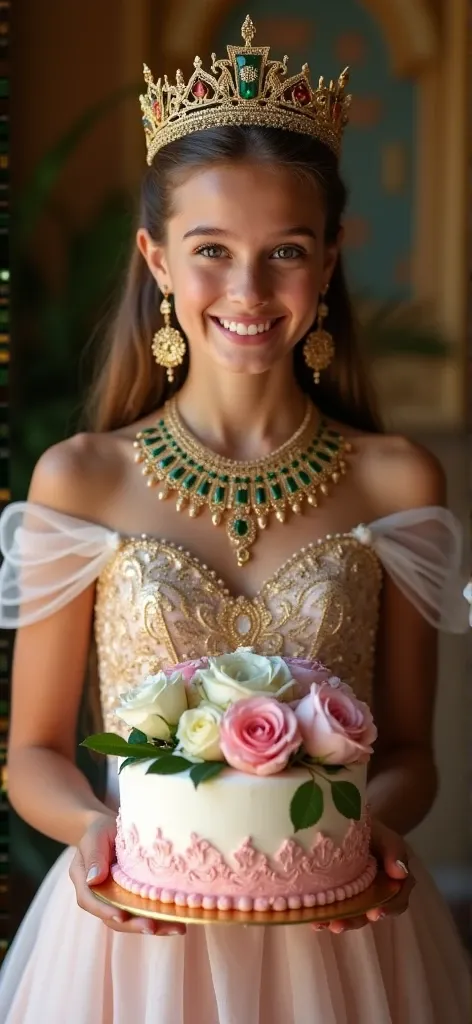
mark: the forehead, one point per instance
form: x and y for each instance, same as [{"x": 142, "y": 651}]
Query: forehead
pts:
[{"x": 247, "y": 195}]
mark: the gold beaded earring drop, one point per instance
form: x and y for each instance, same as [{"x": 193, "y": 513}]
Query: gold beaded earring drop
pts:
[
  {"x": 318, "y": 349},
  {"x": 168, "y": 345}
]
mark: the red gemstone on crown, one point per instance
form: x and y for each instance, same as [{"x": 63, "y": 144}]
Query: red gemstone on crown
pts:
[
  {"x": 157, "y": 111},
  {"x": 200, "y": 90},
  {"x": 301, "y": 94}
]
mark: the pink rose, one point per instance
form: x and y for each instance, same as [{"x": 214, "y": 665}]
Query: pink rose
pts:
[
  {"x": 335, "y": 726},
  {"x": 306, "y": 671},
  {"x": 187, "y": 669},
  {"x": 258, "y": 735}
]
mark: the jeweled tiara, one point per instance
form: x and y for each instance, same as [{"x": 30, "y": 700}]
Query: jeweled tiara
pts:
[{"x": 245, "y": 89}]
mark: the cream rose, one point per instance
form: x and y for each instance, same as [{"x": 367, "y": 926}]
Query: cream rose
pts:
[
  {"x": 232, "y": 677},
  {"x": 159, "y": 700},
  {"x": 199, "y": 732}
]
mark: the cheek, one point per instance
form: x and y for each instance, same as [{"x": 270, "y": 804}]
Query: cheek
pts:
[{"x": 197, "y": 286}]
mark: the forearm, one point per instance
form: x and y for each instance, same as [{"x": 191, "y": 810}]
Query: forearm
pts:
[
  {"x": 51, "y": 794},
  {"x": 402, "y": 787}
]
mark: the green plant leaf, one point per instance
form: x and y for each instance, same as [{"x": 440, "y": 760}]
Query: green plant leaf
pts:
[
  {"x": 136, "y": 736},
  {"x": 347, "y": 799},
  {"x": 306, "y": 806},
  {"x": 127, "y": 761},
  {"x": 109, "y": 743},
  {"x": 207, "y": 770},
  {"x": 333, "y": 769},
  {"x": 169, "y": 765}
]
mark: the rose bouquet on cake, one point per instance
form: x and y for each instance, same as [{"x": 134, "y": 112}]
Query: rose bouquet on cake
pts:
[{"x": 253, "y": 714}]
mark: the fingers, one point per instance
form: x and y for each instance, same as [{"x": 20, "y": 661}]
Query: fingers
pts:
[
  {"x": 117, "y": 920},
  {"x": 97, "y": 850},
  {"x": 391, "y": 850},
  {"x": 350, "y": 924}
]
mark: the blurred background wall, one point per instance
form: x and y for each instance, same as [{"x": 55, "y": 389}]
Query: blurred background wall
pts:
[{"x": 77, "y": 157}]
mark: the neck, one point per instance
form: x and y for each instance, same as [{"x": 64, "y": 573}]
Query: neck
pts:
[{"x": 239, "y": 416}]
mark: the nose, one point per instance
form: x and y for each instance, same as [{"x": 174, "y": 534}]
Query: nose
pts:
[{"x": 249, "y": 287}]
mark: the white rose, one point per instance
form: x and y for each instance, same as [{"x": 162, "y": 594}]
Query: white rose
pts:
[
  {"x": 158, "y": 700},
  {"x": 231, "y": 677},
  {"x": 199, "y": 733}
]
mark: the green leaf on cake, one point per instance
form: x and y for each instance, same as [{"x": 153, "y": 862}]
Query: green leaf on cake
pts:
[
  {"x": 169, "y": 764},
  {"x": 136, "y": 736},
  {"x": 347, "y": 799},
  {"x": 306, "y": 806},
  {"x": 116, "y": 746},
  {"x": 333, "y": 769},
  {"x": 127, "y": 761},
  {"x": 207, "y": 770}
]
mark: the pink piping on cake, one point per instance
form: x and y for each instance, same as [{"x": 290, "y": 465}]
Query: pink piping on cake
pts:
[
  {"x": 247, "y": 903},
  {"x": 292, "y": 877}
]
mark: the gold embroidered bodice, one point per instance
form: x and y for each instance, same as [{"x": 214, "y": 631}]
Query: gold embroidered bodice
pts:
[{"x": 156, "y": 605}]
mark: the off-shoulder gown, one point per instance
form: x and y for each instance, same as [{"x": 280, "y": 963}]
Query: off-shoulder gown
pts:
[{"x": 157, "y": 605}]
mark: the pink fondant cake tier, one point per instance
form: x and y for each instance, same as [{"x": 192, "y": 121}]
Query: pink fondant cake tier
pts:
[{"x": 230, "y": 843}]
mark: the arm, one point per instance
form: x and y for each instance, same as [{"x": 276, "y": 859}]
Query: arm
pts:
[
  {"x": 403, "y": 778},
  {"x": 45, "y": 786}
]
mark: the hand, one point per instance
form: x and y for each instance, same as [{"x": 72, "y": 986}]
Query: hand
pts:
[
  {"x": 91, "y": 865},
  {"x": 390, "y": 850}
]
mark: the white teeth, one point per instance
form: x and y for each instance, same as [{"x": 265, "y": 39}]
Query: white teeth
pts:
[{"x": 245, "y": 329}]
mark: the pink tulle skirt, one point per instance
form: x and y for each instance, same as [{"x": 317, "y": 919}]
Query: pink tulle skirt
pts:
[{"x": 66, "y": 967}]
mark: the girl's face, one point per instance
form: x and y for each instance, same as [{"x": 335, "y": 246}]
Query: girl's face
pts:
[{"x": 246, "y": 261}]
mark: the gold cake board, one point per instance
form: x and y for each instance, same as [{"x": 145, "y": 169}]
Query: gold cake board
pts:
[{"x": 384, "y": 892}]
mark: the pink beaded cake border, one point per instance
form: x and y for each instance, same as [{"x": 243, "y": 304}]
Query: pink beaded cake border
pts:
[{"x": 246, "y": 903}]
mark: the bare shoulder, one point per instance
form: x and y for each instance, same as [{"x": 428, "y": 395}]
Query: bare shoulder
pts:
[
  {"x": 397, "y": 474},
  {"x": 81, "y": 475}
]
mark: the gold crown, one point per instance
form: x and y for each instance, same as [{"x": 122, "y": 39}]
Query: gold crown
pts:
[{"x": 246, "y": 89}]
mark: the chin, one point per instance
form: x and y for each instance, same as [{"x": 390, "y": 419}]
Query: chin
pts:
[{"x": 247, "y": 361}]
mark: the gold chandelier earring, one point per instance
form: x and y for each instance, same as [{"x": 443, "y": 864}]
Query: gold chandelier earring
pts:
[
  {"x": 168, "y": 345},
  {"x": 318, "y": 349}
]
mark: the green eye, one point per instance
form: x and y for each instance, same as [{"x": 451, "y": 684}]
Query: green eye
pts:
[
  {"x": 212, "y": 252},
  {"x": 288, "y": 252}
]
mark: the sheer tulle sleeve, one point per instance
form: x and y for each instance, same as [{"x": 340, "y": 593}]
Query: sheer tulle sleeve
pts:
[
  {"x": 48, "y": 559},
  {"x": 421, "y": 550}
]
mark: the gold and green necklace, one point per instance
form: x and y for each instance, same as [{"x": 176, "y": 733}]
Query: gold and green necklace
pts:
[{"x": 241, "y": 495}]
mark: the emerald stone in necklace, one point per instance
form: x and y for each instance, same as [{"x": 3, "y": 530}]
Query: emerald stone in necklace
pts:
[{"x": 242, "y": 496}]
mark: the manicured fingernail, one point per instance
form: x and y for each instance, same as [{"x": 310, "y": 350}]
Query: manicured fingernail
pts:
[
  {"x": 119, "y": 920},
  {"x": 92, "y": 874},
  {"x": 382, "y": 914},
  {"x": 400, "y": 864},
  {"x": 174, "y": 931}
]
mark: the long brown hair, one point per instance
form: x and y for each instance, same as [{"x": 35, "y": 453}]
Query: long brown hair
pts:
[{"x": 128, "y": 383}]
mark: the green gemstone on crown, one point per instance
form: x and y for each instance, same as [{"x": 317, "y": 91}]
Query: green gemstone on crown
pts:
[
  {"x": 204, "y": 488},
  {"x": 249, "y": 71},
  {"x": 316, "y": 466},
  {"x": 276, "y": 491},
  {"x": 242, "y": 496},
  {"x": 164, "y": 463},
  {"x": 189, "y": 481},
  {"x": 331, "y": 446},
  {"x": 218, "y": 495},
  {"x": 304, "y": 478},
  {"x": 158, "y": 451},
  {"x": 148, "y": 441},
  {"x": 261, "y": 496},
  {"x": 323, "y": 456}
]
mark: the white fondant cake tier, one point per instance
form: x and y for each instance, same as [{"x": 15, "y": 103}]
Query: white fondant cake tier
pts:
[{"x": 231, "y": 841}]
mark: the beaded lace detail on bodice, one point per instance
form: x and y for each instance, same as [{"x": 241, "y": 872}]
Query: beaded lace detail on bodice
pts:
[{"x": 156, "y": 605}]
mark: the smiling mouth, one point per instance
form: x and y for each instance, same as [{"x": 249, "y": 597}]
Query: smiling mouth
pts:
[{"x": 246, "y": 328}]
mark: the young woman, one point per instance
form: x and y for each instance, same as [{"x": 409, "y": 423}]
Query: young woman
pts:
[{"x": 241, "y": 224}]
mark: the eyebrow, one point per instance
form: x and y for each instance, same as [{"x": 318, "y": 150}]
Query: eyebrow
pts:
[{"x": 206, "y": 231}]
